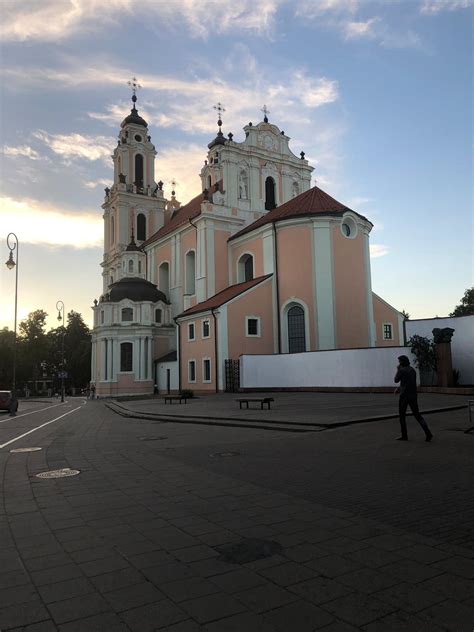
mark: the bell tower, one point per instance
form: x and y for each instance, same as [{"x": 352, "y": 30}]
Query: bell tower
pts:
[{"x": 134, "y": 205}]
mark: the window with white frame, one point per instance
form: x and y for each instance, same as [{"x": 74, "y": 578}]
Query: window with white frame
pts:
[
  {"x": 206, "y": 370},
  {"x": 191, "y": 331},
  {"x": 252, "y": 326},
  {"x": 387, "y": 330},
  {"x": 206, "y": 328},
  {"x": 191, "y": 370}
]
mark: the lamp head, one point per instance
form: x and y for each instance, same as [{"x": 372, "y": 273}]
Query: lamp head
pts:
[
  {"x": 59, "y": 315},
  {"x": 10, "y": 263}
]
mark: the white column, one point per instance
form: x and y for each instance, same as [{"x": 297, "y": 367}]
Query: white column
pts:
[
  {"x": 211, "y": 276},
  {"x": 109, "y": 359},
  {"x": 201, "y": 263},
  {"x": 324, "y": 284},
  {"x": 116, "y": 362},
  {"x": 369, "y": 297},
  {"x": 93, "y": 361},
  {"x": 136, "y": 357}
]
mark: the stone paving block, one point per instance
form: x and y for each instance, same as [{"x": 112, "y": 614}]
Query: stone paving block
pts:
[
  {"x": 165, "y": 573},
  {"x": 41, "y": 550},
  {"x": 151, "y": 558},
  {"x": 153, "y": 616},
  {"x": 184, "y": 626},
  {"x": 389, "y": 542},
  {"x": 319, "y": 590},
  {"x": 210, "y": 567},
  {"x": 17, "y": 595},
  {"x": 108, "y": 622},
  {"x": 455, "y": 616},
  {"x": 458, "y": 566},
  {"x": 300, "y": 616},
  {"x": 56, "y": 574},
  {"x": 116, "y": 579},
  {"x": 212, "y": 607},
  {"x": 13, "y": 578},
  {"x": 340, "y": 626},
  {"x": 343, "y": 545},
  {"x": 303, "y": 553},
  {"x": 104, "y": 565},
  {"x": 47, "y": 561},
  {"x": 265, "y": 597},
  {"x": 171, "y": 538},
  {"x": 83, "y": 543},
  {"x": 78, "y": 607},
  {"x": 217, "y": 538},
  {"x": 247, "y": 621},
  {"x": 410, "y": 598},
  {"x": 423, "y": 554},
  {"x": 189, "y": 588},
  {"x": 359, "y": 531},
  {"x": 195, "y": 553},
  {"x": 288, "y": 573},
  {"x": 266, "y": 562},
  {"x": 89, "y": 555},
  {"x": 43, "y": 626},
  {"x": 238, "y": 580},
  {"x": 451, "y": 586},
  {"x": 409, "y": 571},
  {"x": 133, "y": 596},
  {"x": 31, "y": 612},
  {"x": 358, "y": 609},
  {"x": 401, "y": 622},
  {"x": 367, "y": 580},
  {"x": 65, "y": 589},
  {"x": 333, "y": 565},
  {"x": 373, "y": 557}
]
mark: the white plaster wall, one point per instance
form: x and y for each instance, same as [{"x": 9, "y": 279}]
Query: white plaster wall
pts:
[
  {"x": 339, "y": 368},
  {"x": 174, "y": 378},
  {"x": 462, "y": 343}
]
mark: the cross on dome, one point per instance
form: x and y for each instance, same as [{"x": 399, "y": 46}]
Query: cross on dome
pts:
[
  {"x": 173, "y": 184},
  {"x": 134, "y": 85},
  {"x": 219, "y": 109},
  {"x": 266, "y": 112}
]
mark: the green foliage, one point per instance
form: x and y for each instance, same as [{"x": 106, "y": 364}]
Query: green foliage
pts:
[
  {"x": 405, "y": 314},
  {"x": 466, "y": 307},
  {"x": 187, "y": 393},
  {"x": 424, "y": 351}
]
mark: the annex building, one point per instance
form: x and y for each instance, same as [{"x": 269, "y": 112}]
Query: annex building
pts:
[{"x": 259, "y": 262}]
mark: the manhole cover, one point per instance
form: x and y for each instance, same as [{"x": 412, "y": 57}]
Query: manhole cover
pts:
[
  {"x": 152, "y": 438},
  {"x": 224, "y": 454},
  {"x": 249, "y": 550},
  {"x": 18, "y": 450},
  {"x": 65, "y": 471}
]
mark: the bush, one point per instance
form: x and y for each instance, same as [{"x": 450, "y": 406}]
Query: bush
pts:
[
  {"x": 187, "y": 393},
  {"x": 424, "y": 351}
]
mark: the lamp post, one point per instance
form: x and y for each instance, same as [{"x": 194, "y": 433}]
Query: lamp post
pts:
[
  {"x": 60, "y": 308},
  {"x": 12, "y": 243}
]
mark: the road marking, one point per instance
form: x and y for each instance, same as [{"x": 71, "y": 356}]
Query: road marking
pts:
[
  {"x": 3, "y": 445},
  {"x": 32, "y": 412}
]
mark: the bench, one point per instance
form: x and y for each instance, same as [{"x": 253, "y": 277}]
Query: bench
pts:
[
  {"x": 260, "y": 400},
  {"x": 179, "y": 398},
  {"x": 470, "y": 407}
]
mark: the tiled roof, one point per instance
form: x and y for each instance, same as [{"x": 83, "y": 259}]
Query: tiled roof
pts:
[
  {"x": 224, "y": 296},
  {"x": 312, "y": 202},
  {"x": 182, "y": 216}
]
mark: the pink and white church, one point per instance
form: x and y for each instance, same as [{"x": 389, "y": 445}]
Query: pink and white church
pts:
[{"x": 259, "y": 262}]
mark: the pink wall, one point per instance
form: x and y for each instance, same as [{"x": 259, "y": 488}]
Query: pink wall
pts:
[
  {"x": 221, "y": 266},
  {"x": 253, "y": 246},
  {"x": 352, "y": 328},
  {"x": 197, "y": 350},
  {"x": 257, "y": 302},
  {"x": 384, "y": 313},
  {"x": 295, "y": 270}
]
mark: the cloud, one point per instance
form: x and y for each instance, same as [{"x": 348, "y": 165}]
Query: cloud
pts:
[
  {"x": 92, "y": 184},
  {"x": 41, "y": 223},
  {"x": 182, "y": 164},
  {"x": 433, "y": 7},
  {"x": 360, "y": 30},
  {"x": 73, "y": 146},
  {"x": 53, "y": 20},
  {"x": 22, "y": 150},
  {"x": 378, "y": 250},
  {"x": 318, "y": 8}
]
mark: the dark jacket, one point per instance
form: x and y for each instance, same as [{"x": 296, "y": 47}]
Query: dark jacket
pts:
[{"x": 406, "y": 375}]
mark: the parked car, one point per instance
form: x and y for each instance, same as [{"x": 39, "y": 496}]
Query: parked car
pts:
[{"x": 8, "y": 401}]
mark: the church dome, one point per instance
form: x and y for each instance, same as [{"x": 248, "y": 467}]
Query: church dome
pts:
[
  {"x": 134, "y": 119},
  {"x": 135, "y": 289},
  {"x": 218, "y": 140}
]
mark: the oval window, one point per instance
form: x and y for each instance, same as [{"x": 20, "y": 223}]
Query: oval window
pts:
[
  {"x": 138, "y": 138},
  {"x": 346, "y": 229}
]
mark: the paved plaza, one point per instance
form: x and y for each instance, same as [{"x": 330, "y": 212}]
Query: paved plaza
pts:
[{"x": 166, "y": 525}]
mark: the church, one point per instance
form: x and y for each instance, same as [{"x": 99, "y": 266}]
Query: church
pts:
[{"x": 260, "y": 262}]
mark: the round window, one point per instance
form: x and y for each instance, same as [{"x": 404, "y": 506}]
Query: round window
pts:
[
  {"x": 138, "y": 138},
  {"x": 346, "y": 229},
  {"x": 349, "y": 227}
]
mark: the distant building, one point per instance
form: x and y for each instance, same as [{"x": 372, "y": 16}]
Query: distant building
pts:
[{"x": 258, "y": 262}]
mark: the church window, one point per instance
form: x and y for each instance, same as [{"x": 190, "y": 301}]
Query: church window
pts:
[
  {"x": 190, "y": 271},
  {"x": 387, "y": 331},
  {"x": 139, "y": 171},
  {"x": 112, "y": 230},
  {"x": 296, "y": 330},
  {"x": 138, "y": 138},
  {"x": 191, "y": 332},
  {"x": 130, "y": 266},
  {"x": 252, "y": 326},
  {"x": 243, "y": 186},
  {"x": 270, "y": 194},
  {"x": 205, "y": 329},
  {"x": 126, "y": 356},
  {"x": 164, "y": 277},
  {"x": 349, "y": 227},
  {"x": 191, "y": 371},
  {"x": 127, "y": 314},
  {"x": 209, "y": 182},
  {"x": 245, "y": 268},
  {"x": 102, "y": 317},
  {"x": 141, "y": 227},
  {"x": 295, "y": 189},
  {"x": 111, "y": 280},
  {"x": 158, "y": 316}
]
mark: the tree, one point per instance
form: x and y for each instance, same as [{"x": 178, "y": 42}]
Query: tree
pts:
[
  {"x": 405, "y": 314},
  {"x": 7, "y": 341},
  {"x": 77, "y": 348},
  {"x": 466, "y": 307},
  {"x": 32, "y": 347}
]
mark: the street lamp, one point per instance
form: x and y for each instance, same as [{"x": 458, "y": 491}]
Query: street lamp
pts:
[
  {"x": 11, "y": 263},
  {"x": 60, "y": 308}
]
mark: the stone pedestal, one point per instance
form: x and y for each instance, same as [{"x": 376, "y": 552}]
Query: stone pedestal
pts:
[{"x": 444, "y": 364}]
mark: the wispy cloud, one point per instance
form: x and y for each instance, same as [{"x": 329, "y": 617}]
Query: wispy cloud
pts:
[
  {"x": 24, "y": 151},
  {"x": 433, "y": 7},
  {"x": 360, "y": 30},
  {"x": 92, "y": 184},
  {"x": 41, "y": 223},
  {"x": 77, "y": 146},
  {"x": 378, "y": 250}
]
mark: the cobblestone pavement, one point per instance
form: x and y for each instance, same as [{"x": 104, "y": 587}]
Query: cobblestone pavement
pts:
[{"x": 374, "y": 534}]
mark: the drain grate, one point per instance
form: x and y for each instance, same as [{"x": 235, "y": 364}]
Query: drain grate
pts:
[
  {"x": 20, "y": 450},
  {"x": 224, "y": 454},
  {"x": 62, "y": 473},
  {"x": 152, "y": 438},
  {"x": 249, "y": 550}
]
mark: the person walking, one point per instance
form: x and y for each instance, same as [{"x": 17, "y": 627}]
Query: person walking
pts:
[{"x": 406, "y": 377}]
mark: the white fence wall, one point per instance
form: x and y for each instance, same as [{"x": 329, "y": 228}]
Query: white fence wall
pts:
[
  {"x": 462, "y": 343},
  {"x": 340, "y": 368},
  {"x": 162, "y": 376}
]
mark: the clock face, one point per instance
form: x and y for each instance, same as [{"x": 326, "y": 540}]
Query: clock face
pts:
[{"x": 138, "y": 138}]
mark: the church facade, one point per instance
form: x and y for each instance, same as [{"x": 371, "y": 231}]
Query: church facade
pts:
[{"x": 258, "y": 262}]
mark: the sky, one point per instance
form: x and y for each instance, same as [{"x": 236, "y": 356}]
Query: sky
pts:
[{"x": 377, "y": 93}]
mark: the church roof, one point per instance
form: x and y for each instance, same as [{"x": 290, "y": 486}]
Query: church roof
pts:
[
  {"x": 181, "y": 216},
  {"x": 135, "y": 289},
  {"x": 134, "y": 118},
  {"x": 312, "y": 202},
  {"x": 224, "y": 296}
]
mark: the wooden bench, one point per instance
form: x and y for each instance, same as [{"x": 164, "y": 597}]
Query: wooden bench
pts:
[
  {"x": 178, "y": 398},
  {"x": 260, "y": 400}
]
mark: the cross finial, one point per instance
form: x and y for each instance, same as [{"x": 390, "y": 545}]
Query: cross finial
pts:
[
  {"x": 219, "y": 109},
  {"x": 266, "y": 112},
  {"x": 173, "y": 184},
  {"x": 134, "y": 85}
]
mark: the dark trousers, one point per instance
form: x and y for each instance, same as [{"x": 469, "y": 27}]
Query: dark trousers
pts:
[{"x": 412, "y": 401}]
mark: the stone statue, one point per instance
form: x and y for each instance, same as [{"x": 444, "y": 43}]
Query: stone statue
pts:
[
  {"x": 122, "y": 178},
  {"x": 243, "y": 186},
  {"x": 442, "y": 335}
]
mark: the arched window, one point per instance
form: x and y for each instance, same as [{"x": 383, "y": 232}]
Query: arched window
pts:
[
  {"x": 141, "y": 227},
  {"x": 130, "y": 265},
  {"x": 126, "y": 356},
  {"x": 209, "y": 183},
  {"x": 245, "y": 268},
  {"x": 164, "y": 278},
  {"x": 296, "y": 330},
  {"x": 295, "y": 189},
  {"x": 243, "y": 185},
  {"x": 139, "y": 171},
  {"x": 112, "y": 230},
  {"x": 190, "y": 269},
  {"x": 127, "y": 314},
  {"x": 270, "y": 193}
]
